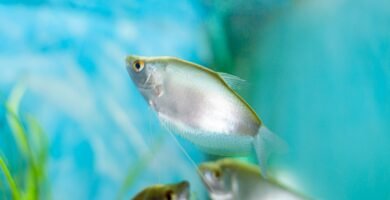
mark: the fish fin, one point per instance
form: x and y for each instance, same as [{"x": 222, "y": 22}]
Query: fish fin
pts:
[
  {"x": 234, "y": 82},
  {"x": 267, "y": 143}
]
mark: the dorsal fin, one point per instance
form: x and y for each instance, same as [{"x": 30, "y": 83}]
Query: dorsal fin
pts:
[{"x": 236, "y": 83}]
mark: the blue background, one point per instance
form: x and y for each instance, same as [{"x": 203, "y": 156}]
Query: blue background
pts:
[{"x": 318, "y": 73}]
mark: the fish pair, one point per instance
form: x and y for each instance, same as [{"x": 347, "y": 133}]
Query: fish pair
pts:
[
  {"x": 202, "y": 106},
  {"x": 225, "y": 179}
]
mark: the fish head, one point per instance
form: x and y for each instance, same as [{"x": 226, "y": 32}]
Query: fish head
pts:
[
  {"x": 182, "y": 190},
  {"x": 177, "y": 191},
  {"x": 216, "y": 179},
  {"x": 146, "y": 73}
]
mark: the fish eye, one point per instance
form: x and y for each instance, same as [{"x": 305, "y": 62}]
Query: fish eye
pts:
[
  {"x": 170, "y": 195},
  {"x": 138, "y": 65},
  {"x": 217, "y": 174}
]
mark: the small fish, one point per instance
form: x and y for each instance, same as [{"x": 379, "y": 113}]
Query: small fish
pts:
[
  {"x": 228, "y": 179},
  {"x": 201, "y": 106},
  {"x": 178, "y": 191}
]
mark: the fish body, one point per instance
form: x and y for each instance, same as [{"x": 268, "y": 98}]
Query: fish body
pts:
[
  {"x": 228, "y": 179},
  {"x": 177, "y": 191},
  {"x": 199, "y": 104}
]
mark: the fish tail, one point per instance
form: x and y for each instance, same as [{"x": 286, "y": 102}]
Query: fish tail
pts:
[{"x": 267, "y": 143}]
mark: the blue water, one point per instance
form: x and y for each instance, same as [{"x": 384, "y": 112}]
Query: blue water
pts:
[{"x": 318, "y": 73}]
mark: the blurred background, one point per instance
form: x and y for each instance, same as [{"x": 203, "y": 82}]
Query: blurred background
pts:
[{"x": 73, "y": 125}]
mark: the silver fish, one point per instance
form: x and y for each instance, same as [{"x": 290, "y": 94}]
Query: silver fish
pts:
[
  {"x": 177, "y": 191},
  {"x": 201, "y": 106},
  {"x": 228, "y": 179}
]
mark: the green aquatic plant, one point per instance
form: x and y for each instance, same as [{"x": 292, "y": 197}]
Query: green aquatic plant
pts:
[
  {"x": 14, "y": 190},
  {"x": 33, "y": 147}
]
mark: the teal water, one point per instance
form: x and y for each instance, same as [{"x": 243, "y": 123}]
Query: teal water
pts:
[
  {"x": 322, "y": 69},
  {"x": 318, "y": 76}
]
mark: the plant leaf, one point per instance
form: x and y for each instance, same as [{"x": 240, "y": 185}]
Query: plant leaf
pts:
[{"x": 14, "y": 189}]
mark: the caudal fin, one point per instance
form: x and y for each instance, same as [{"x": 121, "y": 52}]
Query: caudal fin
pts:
[{"x": 267, "y": 143}]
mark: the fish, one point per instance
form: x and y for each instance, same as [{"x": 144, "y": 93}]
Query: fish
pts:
[
  {"x": 202, "y": 106},
  {"x": 175, "y": 191},
  {"x": 229, "y": 179}
]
